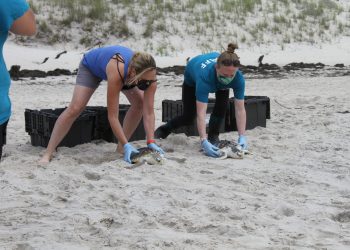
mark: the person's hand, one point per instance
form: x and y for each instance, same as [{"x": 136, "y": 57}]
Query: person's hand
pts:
[
  {"x": 156, "y": 148},
  {"x": 210, "y": 149},
  {"x": 128, "y": 150},
  {"x": 242, "y": 141}
]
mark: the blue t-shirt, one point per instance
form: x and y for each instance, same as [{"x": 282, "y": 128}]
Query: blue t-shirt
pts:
[
  {"x": 200, "y": 73},
  {"x": 9, "y": 12},
  {"x": 96, "y": 60}
]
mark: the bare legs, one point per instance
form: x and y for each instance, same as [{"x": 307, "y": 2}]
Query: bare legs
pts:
[
  {"x": 134, "y": 114},
  {"x": 81, "y": 97}
]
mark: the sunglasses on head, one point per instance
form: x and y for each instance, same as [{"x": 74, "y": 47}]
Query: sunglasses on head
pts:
[{"x": 229, "y": 62}]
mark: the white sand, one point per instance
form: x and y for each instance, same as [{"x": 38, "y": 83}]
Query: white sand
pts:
[
  {"x": 293, "y": 193},
  {"x": 336, "y": 52}
]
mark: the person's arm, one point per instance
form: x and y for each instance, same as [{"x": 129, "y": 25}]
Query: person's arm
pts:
[
  {"x": 148, "y": 111},
  {"x": 208, "y": 148},
  {"x": 240, "y": 116},
  {"x": 202, "y": 94},
  {"x": 24, "y": 25},
  {"x": 201, "y": 105},
  {"x": 201, "y": 115},
  {"x": 149, "y": 117},
  {"x": 113, "y": 92}
]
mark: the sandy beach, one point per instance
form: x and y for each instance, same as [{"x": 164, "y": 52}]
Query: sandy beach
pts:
[{"x": 292, "y": 193}]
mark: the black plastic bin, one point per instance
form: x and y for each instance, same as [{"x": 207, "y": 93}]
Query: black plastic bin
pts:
[
  {"x": 92, "y": 124},
  {"x": 257, "y": 111},
  {"x": 40, "y": 123},
  {"x": 173, "y": 108},
  {"x": 103, "y": 130}
]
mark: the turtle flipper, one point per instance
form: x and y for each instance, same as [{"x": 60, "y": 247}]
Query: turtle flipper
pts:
[
  {"x": 235, "y": 154},
  {"x": 223, "y": 153},
  {"x": 247, "y": 152},
  {"x": 137, "y": 164}
]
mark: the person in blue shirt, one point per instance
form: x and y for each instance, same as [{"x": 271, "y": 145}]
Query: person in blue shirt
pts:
[
  {"x": 204, "y": 74},
  {"x": 126, "y": 71},
  {"x": 18, "y": 18}
]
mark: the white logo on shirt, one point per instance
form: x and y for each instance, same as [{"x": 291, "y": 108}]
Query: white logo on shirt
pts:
[{"x": 207, "y": 62}]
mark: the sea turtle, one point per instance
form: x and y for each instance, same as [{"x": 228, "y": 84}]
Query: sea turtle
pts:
[
  {"x": 146, "y": 155},
  {"x": 230, "y": 149}
]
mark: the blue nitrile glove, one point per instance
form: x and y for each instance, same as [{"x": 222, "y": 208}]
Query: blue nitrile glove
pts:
[
  {"x": 242, "y": 140},
  {"x": 128, "y": 150},
  {"x": 156, "y": 148},
  {"x": 210, "y": 149}
]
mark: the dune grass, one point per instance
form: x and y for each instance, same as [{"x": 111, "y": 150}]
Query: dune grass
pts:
[{"x": 203, "y": 24}]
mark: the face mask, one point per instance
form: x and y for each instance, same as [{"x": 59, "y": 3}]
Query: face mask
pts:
[{"x": 225, "y": 80}]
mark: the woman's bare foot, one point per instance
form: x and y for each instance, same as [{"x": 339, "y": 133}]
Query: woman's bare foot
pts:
[
  {"x": 45, "y": 159},
  {"x": 120, "y": 149}
]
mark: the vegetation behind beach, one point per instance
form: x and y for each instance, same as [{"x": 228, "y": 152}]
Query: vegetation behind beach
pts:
[{"x": 167, "y": 26}]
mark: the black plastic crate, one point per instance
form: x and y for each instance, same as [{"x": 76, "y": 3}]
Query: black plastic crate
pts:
[
  {"x": 257, "y": 111},
  {"x": 40, "y": 123},
  {"x": 34, "y": 121},
  {"x": 103, "y": 130},
  {"x": 265, "y": 100},
  {"x": 173, "y": 108},
  {"x": 39, "y": 140}
]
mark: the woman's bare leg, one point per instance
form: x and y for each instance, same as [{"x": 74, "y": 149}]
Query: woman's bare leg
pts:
[
  {"x": 134, "y": 114},
  {"x": 81, "y": 97}
]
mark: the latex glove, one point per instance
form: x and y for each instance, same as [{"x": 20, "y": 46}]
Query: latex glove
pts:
[
  {"x": 242, "y": 140},
  {"x": 128, "y": 150},
  {"x": 156, "y": 148},
  {"x": 210, "y": 149}
]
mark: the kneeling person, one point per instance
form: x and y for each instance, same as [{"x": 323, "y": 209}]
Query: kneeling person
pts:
[{"x": 204, "y": 74}]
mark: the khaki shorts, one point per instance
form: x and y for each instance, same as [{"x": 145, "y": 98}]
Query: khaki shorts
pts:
[{"x": 86, "y": 78}]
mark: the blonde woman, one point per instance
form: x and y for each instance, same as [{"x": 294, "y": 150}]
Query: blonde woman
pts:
[{"x": 133, "y": 74}]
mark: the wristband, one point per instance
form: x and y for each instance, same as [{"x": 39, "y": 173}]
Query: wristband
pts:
[{"x": 150, "y": 141}]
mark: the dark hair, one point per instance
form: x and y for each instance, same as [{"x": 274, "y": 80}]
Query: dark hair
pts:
[{"x": 229, "y": 57}]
